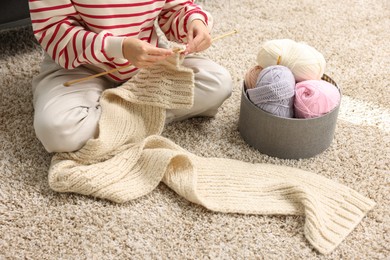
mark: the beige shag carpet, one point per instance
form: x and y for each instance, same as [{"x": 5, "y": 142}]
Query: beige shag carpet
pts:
[{"x": 37, "y": 223}]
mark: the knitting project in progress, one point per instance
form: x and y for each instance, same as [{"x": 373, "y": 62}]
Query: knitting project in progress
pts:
[{"x": 130, "y": 158}]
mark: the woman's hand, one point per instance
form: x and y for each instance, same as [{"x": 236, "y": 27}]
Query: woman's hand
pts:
[
  {"x": 198, "y": 36},
  {"x": 142, "y": 54}
]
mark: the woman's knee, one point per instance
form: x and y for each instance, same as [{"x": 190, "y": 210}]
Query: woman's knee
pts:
[
  {"x": 66, "y": 131},
  {"x": 212, "y": 81},
  {"x": 213, "y": 85},
  {"x": 65, "y": 118},
  {"x": 222, "y": 84}
]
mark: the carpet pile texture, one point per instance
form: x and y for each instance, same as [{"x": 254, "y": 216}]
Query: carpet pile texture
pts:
[{"x": 39, "y": 223}]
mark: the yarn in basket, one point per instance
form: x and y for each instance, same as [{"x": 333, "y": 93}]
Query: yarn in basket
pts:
[
  {"x": 251, "y": 76},
  {"x": 274, "y": 91},
  {"x": 304, "y": 61},
  {"x": 314, "y": 98}
]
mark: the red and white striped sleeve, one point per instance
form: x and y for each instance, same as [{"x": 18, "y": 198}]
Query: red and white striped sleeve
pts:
[
  {"x": 60, "y": 31},
  {"x": 178, "y": 14}
]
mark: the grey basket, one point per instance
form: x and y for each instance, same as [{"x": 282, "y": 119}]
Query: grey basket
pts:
[{"x": 286, "y": 138}]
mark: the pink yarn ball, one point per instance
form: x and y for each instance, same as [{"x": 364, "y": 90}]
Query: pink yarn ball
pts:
[
  {"x": 251, "y": 76},
  {"x": 314, "y": 98}
]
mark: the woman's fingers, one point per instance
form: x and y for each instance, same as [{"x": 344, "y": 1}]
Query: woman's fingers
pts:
[
  {"x": 154, "y": 51},
  {"x": 142, "y": 54}
]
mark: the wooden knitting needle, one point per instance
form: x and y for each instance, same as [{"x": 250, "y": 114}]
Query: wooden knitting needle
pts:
[
  {"x": 224, "y": 35},
  {"x": 176, "y": 50}
]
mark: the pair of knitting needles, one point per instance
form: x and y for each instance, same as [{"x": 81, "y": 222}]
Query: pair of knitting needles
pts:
[{"x": 176, "y": 50}]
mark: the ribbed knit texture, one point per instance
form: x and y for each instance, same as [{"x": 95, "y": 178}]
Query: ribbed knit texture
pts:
[{"x": 130, "y": 158}]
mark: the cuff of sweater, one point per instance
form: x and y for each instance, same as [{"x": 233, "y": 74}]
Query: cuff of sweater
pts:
[
  {"x": 204, "y": 17},
  {"x": 113, "y": 47}
]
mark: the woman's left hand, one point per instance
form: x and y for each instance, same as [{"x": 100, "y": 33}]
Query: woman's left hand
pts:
[{"x": 198, "y": 36}]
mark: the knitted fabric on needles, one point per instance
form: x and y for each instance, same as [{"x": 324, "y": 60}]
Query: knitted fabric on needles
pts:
[
  {"x": 130, "y": 158},
  {"x": 274, "y": 91},
  {"x": 304, "y": 61}
]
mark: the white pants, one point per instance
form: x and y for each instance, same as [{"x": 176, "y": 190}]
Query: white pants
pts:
[{"x": 67, "y": 117}]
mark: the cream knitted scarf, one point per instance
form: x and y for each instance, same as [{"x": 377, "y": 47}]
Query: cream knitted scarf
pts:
[{"x": 130, "y": 158}]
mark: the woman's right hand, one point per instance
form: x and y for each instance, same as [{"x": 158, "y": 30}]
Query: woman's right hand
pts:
[{"x": 142, "y": 54}]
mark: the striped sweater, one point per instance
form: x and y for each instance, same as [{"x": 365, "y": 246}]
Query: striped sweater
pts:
[{"x": 83, "y": 32}]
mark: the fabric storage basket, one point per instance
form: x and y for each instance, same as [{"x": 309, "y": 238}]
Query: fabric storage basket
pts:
[{"x": 286, "y": 138}]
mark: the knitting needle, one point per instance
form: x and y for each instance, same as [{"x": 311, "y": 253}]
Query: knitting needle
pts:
[
  {"x": 176, "y": 50},
  {"x": 224, "y": 35},
  {"x": 71, "y": 82}
]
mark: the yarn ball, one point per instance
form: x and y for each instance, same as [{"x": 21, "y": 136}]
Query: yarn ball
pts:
[
  {"x": 274, "y": 91},
  {"x": 314, "y": 98},
  {"x": 304, "y": 61},
  {"x": 251, "y": 76}
]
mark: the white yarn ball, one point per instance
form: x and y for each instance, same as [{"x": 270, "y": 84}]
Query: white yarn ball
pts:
[{"x": 304, "y": 61}]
